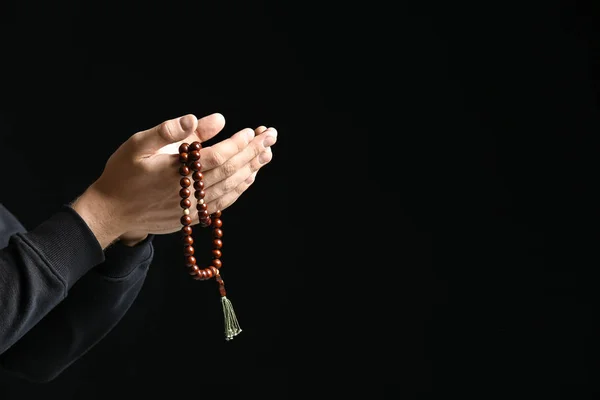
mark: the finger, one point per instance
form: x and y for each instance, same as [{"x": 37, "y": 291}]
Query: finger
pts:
[
  {"x": 227, "y": 185},
  {"x": 209, "y": 126},
  {"x": 217, "y": 154},
  {"x": 250, "y": 180},
  {"x": 260, "y": 129},
  {"x": 225, "y": 201},
  {"x": 241, "y": 158},
  {"x": 149, "y": 141}
]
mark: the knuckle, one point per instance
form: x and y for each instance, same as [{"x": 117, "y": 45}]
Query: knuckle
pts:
[
  {"x": 165, "y": 130},
  {"x": 229, "y": 185},
  {"x": 258, "y": 148},
  {"x": 239, "y": 189},
  {"x": 213, "y": 193},
  {"x": 214, "y": 157},
  {"x": 221, "y": 203},
  {"x": 255, "y": 165},
  {"x": 228, "y": 169},
  {"x": 135, "y": 142}
]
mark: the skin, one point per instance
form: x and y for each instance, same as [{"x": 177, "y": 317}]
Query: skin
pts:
[{"x": 138, "y": 191}]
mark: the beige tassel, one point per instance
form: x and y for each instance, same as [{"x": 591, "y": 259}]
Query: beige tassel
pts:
[{"x": 232, "y": 327}]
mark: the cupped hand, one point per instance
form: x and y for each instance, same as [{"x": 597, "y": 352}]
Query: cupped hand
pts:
[{"x": 229, "y": 168}]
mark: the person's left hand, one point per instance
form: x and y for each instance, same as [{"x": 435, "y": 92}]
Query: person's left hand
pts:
[{"x": 229, "y": 167}]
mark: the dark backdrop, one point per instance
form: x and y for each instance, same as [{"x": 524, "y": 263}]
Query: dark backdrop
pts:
[
  {"x": 79, "y": 79},
  {"x": 428, "y": 225}
]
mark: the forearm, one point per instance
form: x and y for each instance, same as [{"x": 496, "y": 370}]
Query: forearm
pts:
[
  {"x": 36, "y": 272},
  {"x": 41, "y": 331},
  {"x": 93, "y": 308}
]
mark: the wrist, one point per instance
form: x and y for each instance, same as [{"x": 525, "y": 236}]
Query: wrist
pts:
[
  {"x": 132, "y": 238},
  {"x": 99, "y": 213}
]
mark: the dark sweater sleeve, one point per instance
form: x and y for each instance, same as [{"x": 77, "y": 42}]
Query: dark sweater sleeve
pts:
[{"x": 42, "y": 330}]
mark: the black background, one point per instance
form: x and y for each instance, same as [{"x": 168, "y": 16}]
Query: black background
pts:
[
  {"x": 428, "y": 225},
  {"x": 79, "y": 80}
]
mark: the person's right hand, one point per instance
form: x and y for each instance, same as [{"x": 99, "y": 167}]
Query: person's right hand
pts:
[{"x": 138, "y": 189}]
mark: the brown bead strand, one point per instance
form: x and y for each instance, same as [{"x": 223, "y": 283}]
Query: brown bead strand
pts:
[{"x": 189, "y": 157}]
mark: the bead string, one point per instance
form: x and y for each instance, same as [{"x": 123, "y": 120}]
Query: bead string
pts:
[{"x": 189, "y": 158}]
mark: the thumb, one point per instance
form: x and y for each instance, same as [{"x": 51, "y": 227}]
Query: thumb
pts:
[
  {"x": 168, "y": 132},
  {"x": 209, "y": 126}
]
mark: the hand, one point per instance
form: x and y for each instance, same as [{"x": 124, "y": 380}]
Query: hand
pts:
[
  {"x": 137, "y": 189},
  {"x": 229, "y": 168}
]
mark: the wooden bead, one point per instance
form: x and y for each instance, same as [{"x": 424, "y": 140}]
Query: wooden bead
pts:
[
  {"x": 186, "y": 220},
  {"x": 214, "y": 270},
  {"x": 190, "y": 260},
  {"x": 198, "y": 185},
  {"x": 184, "y": 193},
  {"x": 184, "y": 170},
  {"x": 183, "y": 157},
  {"x": 216, "y": 263},
  {"x": 188, "y": 240},
  {"x": 217, "y": 214},
  {"x": 197, "y": 176},
  {"x": 196, "y": 166},
  {"x": 194, "y": 146},
  {"x": 202, "y": 206},
  {"x": 204, "y": 218},
  {"x": 188, "y": 250},
  {"x": 185, "y": 203},
  {"x": 217, "y": 243},
  {"x": 201, "y": 274},
  {"x": 194, "y": 269},
  {"x": 183, "y": 148},
  {"x": 217, "y": 222},
  {"x": 205, "y": 222},
  {"x": 186, "y": 230},
  {"x": 209, "y": 273},
  {"x": 199, "y": 194},
  {"x": 185, "y": 182},
  {"x": 217, "y": 233},
  {"x": 203, "y": 214},
  {"x": 222, "y": 291},
  {"x": 194, "y": 155},
  {"x": 216, "y": 253}
]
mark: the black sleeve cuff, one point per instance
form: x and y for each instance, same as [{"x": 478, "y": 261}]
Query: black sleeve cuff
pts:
[
  {"x": 67, "y": 244},
  {"x": 121, "y": 260}
]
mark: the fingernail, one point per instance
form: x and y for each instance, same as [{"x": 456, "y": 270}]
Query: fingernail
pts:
[
  {"x": 250, "y": 134},
  {"x": 251, "y": 178},
  {"x": 263, "y": 157},
  {"x": 269, "y": 141},
  {"x": 186, "y": 122},
  {"x": 270, "y": 137}
]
